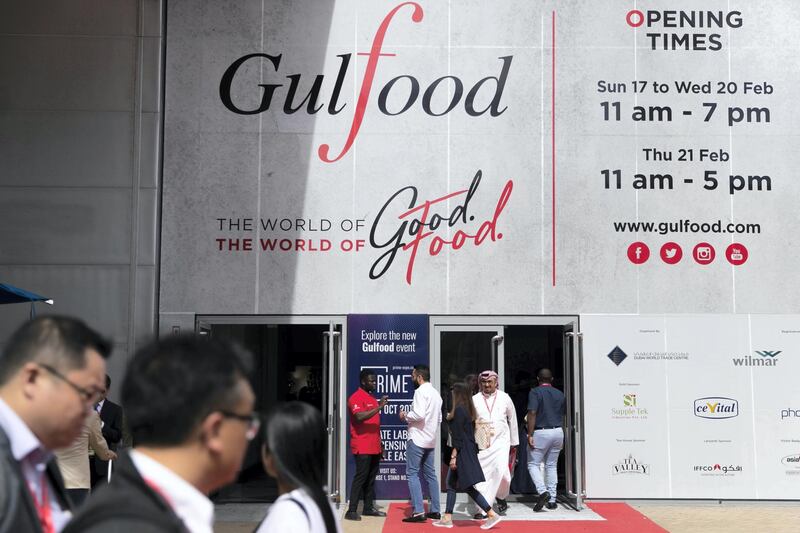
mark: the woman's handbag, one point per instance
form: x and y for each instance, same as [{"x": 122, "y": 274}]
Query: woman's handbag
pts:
[{"x": 484, "y": 431}]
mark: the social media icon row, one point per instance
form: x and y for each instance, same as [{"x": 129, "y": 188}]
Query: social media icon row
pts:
[{"x": 703, "y": 253}]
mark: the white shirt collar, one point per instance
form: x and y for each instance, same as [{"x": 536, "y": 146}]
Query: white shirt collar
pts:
[
  {"x": 192, "y": 507},
  {"x": 23, "y": 441}
]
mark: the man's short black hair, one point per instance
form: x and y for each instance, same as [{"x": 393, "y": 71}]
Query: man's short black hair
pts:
[
  {"x": 424, "y": 371},
  {"x": 56, "y": 340},
  {"x": 172, "y": 384},
  {"x": 365, "y": 373}
]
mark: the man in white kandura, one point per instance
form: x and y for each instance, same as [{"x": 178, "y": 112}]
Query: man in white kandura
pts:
[{"x": 495, "y": 406}]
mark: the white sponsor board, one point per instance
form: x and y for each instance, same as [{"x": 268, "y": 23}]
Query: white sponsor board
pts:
[{"x": 692, "y": 406}]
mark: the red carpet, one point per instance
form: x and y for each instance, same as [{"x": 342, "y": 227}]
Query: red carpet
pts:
[{"x": 619, "y": 518}]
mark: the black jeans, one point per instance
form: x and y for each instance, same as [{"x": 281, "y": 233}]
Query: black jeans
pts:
[
  {"x": 364, "y": 481},
  {"x": 472, "y": 492}
]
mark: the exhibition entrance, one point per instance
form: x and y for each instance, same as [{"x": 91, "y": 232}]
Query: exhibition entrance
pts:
[
  {"x": 294, "y": 358},
  {"x": 516, "y": 348}
]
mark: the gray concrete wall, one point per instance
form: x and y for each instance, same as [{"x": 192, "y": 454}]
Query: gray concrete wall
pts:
[{"x": 79, "y": 163}]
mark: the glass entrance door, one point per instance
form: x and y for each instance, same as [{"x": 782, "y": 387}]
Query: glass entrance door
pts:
[
  {"x": 295, "y": 358},
  {"x": 517, "y": 348}
]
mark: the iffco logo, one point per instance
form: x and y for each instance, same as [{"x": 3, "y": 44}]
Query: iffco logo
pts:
[
  {"x": 617, "y": 356},
  {"x": 718, "y": 470},
  {"x": 765, "y": 358},
  {"x": 716, "y": 408},
  {"x": 629, "y": 465}
]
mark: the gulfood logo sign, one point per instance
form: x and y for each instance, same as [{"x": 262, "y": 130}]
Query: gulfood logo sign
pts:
[
  {"x": 395, "y": 97},
  {"x": 629, "y": 410},
  {"x": 716, "y": 408},
  {"x": 617, "y": 356},
  {"x": 718, "y": 470},
  {"x": 630, "y": 465},
  {"x": 765, "y": 358}
]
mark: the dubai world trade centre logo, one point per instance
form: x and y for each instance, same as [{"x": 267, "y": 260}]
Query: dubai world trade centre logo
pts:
[{"x": 617, "y": 356}]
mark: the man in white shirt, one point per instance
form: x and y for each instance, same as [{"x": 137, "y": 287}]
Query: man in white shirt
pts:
[
  {"x": 496, "y": 407},
  {"x": 423, "y": 420},
  {"x": 190, "y": 409},
  {"x": 51, "y": 373}
]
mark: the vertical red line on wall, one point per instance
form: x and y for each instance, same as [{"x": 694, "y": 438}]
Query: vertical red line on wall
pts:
[{"x": 553, "y": 137}]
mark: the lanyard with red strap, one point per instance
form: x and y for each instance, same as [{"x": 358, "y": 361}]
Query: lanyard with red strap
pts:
[
  {"x": 43, "y": 506},
  {"x": 494, "y": 401}
]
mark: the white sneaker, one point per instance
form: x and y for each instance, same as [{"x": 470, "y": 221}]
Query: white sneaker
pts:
[
  {"x": 442, "y": 523},
  {"x": 493, "y": 521}
]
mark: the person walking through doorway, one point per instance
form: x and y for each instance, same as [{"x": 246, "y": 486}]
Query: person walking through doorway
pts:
[
  {"x": 465, "y": 469},
  {"x": 546, "y": 408}
]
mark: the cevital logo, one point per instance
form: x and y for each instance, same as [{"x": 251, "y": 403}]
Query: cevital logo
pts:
[
  {"x": 617, "y": 356},
  {"x": 766, "y": 358},
  {"x": 630, "y": 465},
  {"x": 716, "y": 408}
]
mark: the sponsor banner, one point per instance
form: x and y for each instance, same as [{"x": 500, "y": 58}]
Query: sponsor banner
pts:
[
  {"x": 390, "y": 345},
  {"x": 720, "y": 420}
]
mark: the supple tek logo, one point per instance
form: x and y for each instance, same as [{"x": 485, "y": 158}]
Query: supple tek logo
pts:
[{"x": 716, "y": 408}]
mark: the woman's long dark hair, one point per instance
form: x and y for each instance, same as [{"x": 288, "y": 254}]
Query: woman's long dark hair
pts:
[
  {"x": 462, "y": 397},
  {"x": 296, "y": 437}
]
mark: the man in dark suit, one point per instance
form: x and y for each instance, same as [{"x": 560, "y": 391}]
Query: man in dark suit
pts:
[
  {"x": 51, "y": 373},
  {"x": 111, "y": 419},
  {"x": 189, "y": 406}
]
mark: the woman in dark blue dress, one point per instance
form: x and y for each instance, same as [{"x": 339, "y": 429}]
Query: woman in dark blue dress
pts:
[{"x": 465, "y": 470}]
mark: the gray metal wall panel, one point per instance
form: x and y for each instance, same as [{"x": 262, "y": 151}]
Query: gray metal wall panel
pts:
[
  {"x": 76, "y": 17},
  {"x": 66, "y": 149},
  {"x": 96, "y": 294},
  {"x": 62, "y": 72},
  {"x": 65, "y": 226}
]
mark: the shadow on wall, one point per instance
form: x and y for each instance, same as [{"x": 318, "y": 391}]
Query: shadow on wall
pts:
[{"x": 239, "y": 143}]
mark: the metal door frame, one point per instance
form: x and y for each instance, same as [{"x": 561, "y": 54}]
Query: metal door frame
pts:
[
  {"x": 336, "y": 422},
  {"x": 571, "y": 324}
]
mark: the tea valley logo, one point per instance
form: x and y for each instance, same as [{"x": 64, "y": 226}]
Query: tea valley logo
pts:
[
  {"x": 716, "y": 408},
  {"x": 630, "y": 409},
  {"x": 766, "y": 358},
  {"x": 617, "y": 356},
  {"x": 718, "y": 470},
  {"x": 630, "y": 465},
  {"x": 792, "y": 463}
]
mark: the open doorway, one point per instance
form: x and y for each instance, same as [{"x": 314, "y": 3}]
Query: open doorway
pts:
[
  {"x": 516, "y": 348},
  {"x": 293, "y": 359}
]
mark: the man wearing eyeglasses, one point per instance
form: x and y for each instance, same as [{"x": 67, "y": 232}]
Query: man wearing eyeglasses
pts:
[
  {"x": 189, "y": 406},
  {"x": 51, "y": 373}
]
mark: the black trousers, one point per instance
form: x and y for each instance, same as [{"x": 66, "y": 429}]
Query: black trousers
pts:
[{"x": 364, "y": 481}]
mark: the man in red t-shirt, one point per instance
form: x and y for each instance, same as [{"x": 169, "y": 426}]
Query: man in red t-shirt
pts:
[{"x": 365, "y": 443}]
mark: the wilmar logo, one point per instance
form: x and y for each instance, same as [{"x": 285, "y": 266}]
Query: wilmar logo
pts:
[
  {"x": 716, "y": 408},
  {"x": 765, "y": 358},
  {"x": 411, "y": 222},
  {"x": 404, "y": 89}
]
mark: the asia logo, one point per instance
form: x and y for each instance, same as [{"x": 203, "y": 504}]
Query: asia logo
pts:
[
  {"x": 630, "y": 465},
  {"x": 629, "y": 410},
  {"x": 718, "y": 470},
  {"x": 766, "y": 358},
  {"x": 617, "y": 356},
  {"x": 792, "y": 463},
  {"x": 716, "y": 408}
]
